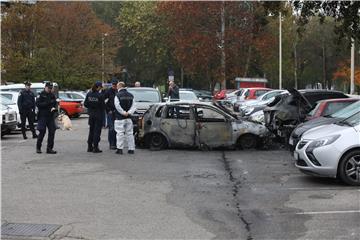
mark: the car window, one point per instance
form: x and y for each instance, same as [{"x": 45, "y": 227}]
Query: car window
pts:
[
  {"x": 145, "y": 95},
  {"x": 269, "y": 95},
  {"x": 348, "y": 111},
  {"x": 8, "y": 96},
  {"x": 258, "y": 93},
  {"x": 187, "y": 96},
  {"x": 354, "y": 120},
  {"x": 204, "y": 114},
  {"x": 159, "y": 112},
  {"x": 6, "y": 101},
  {"x": 334, "y": 107},
  {"x": 178, "y": 112},
  {"x": 75, "y": 96},
  {"x": 63, "y": 95},
  {"x": 246, "y": 94}
]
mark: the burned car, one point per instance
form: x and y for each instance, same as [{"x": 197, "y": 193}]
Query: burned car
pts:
[
  {"x": 196, "y": 124},
  {"x": 287, "y": 111}
]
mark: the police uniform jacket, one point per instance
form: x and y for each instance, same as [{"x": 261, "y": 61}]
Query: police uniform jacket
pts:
[
  {"x": 45, "y": 102},
  {"x": 124, "y": 102},
  {"x": 26, "y": 101},
  {"x": 110, "y": 96},
  {"x": 94, "y": 102}
]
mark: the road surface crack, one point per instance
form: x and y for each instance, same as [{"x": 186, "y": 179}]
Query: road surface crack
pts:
[{"x": 236, "y": 185}]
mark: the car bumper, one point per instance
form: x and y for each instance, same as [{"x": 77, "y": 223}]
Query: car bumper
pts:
[
  {"x": 323, "y": 162},
  {"x": 9, "y": 126}
]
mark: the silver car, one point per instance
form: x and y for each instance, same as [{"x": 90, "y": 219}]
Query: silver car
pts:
[
  {"x": 196, "y": 124},
  {"x": 332, "y": 151}
]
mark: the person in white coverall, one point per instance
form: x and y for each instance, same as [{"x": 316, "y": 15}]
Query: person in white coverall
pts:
[{"x": 125, "y": 107}]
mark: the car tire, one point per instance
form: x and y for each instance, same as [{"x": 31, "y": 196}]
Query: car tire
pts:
[
  {"x": 349, "y": 168},
  {"x": 247, "y": 141},
  {"x": 156, "y": 142}
]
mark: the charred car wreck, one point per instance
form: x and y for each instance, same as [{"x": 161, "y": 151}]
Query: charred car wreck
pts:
[
  {"x": 287, "y": 111},
  {"x": 200, "y": 125}
]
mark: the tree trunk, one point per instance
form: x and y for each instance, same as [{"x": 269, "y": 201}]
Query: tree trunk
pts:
[
  {"x": 295, "y": 66},
  {"x": 324, "y": 65}
]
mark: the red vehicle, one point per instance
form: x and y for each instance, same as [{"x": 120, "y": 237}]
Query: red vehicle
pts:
[
  {"x": 253, "y": 93},
  {"x": 222, "y": 93},
  {"x": 330, "y": 106},
  {"x": 71, "y": 108}
]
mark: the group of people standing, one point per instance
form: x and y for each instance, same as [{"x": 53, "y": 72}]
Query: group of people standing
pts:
[
  {"x": 119, "y": 106},
  {"x": 116, "y": 101}
]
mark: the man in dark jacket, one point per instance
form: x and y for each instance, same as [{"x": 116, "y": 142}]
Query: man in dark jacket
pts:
[
  {"x": 94, "y": 101},
  {"x": 125, "y": 107},
  {"x": 46, "y": 103},
  {"x": 26, "y": 105},
  {"x": 110, "y": 110},
  {"x": 173, "y": 93}
]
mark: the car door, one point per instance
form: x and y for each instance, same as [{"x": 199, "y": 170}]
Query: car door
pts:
[
  {"x": 178, "y": 124},
  {"x": 213, "y": 128}
]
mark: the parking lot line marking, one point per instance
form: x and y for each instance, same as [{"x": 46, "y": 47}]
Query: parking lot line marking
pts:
[{"x": 328, "y": 212}]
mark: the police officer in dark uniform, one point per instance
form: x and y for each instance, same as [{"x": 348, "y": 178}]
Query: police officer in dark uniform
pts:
[
  {"x": 109, "y": 96},
  {"x": 46, "y": 103},
  {"x": 26, "y": 105},
  {"x": 94, "y": 101}
]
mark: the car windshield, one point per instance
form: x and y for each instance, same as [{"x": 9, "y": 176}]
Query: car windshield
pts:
[
  {"x": 145, "y": 95},
  {"x": 347, "y": 111},
  {"x": 352, "y": 121},
  {"x": 3, "y": 107},
  {"x": 188, "y": 96},
  {"x": 6, "y": 101}
]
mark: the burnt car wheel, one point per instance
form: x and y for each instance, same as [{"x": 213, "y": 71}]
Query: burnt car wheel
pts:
[
  {"x": 349, "y": 168},
  {"x": 248, "y": 141},
  {"x": 156, "y": 141}
]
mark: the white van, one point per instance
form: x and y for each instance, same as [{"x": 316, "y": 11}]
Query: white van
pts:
[{"x": 35, "y": 87}]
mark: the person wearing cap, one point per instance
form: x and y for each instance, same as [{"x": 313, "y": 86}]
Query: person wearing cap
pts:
[
  {"x": 109, "y": 96},
  {"x": 46, "y": 103},
  {"x": 26, "y": 105},
  {"x": 94, "y": 101},
  {"x": 125, "y": 107},
  {"x": 173, "y": 92}
]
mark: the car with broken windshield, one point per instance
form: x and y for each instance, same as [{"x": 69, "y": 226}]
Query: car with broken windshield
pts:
[{"x": 196, "y": 124}]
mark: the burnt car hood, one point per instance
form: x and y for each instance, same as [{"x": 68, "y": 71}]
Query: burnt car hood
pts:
[{"x": 287, "y": 108}]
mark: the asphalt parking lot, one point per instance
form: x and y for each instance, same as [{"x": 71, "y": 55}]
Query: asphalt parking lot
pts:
[{"x": 170, "y": 194}]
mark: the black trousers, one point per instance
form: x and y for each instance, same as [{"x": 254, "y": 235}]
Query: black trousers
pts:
[
  {"x": 43, "y": 123},
  {"x": 30, "y": 115},
  {"x": 96, "y": 124}
]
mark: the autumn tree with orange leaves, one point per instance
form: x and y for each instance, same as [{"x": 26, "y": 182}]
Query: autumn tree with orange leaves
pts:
[
  {"x": 343, "y": 73},
  {"x": 56, "y": 41}
]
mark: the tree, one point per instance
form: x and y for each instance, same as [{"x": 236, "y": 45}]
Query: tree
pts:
[{"x": 58, "y": 41}]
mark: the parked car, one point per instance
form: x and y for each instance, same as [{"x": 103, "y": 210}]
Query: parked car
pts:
[
  {"x": 8, "y": 120},
  {"x": 5, "y": 100},
  {"x": 187, "y": 95},
  {"x": 329, "y": 106},
  {"x": 324, "y": 120},
  {"x": 203, "y": 95},
  {"x": 71, "y": 108},
  {"x": 252, "y": 93},
  {"x": 286, "y": 112},
  {"x": 222, "y": 94},
  {"x": 332, "y": 151},
  {"x": 196, "y": 124},
  {"x": 74, "y": 96},
  {"x": 35, "y": 87},
  {"x": 244, "y": 106}
]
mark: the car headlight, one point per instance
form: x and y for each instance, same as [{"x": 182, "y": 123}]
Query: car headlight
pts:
[
  {"x": 249, "y": 110},
  {"x": 322, "y": 142}
]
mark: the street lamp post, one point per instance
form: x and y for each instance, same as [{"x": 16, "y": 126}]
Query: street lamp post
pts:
[{"x": 103, "y": 56}]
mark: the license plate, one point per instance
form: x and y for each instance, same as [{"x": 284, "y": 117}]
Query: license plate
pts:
[{"x": 296, "y": 156}]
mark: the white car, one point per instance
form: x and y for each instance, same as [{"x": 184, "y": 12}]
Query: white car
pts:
[
  {"x": 11, "y": 103},
  {"x": 8, "y": 120},
  {"x": 332, "y": 151}
]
